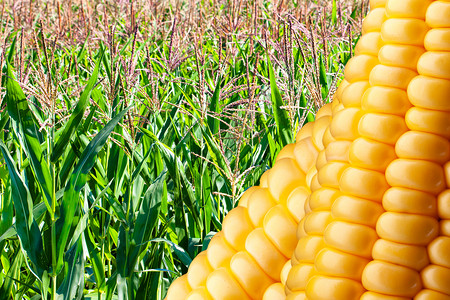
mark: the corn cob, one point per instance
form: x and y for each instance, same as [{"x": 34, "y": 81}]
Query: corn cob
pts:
[
  {"x": 431, "y": 144},
  {"x": 314, "y": 267},
  {"x": 370, "y": 163},
  {"x": 259, "y": 235}
]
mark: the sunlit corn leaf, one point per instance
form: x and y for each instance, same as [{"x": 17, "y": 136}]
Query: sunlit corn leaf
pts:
[
  {"x": 27, "y": 228},
  {"x": 77, "y": 114},
  {"x": 280, "y": 115},
  {"x": 28, "y": 134},
  {"x": 6, "y": 288},
  {"x": 213, "y": 121},
  {"x": 77, "y": 180}
]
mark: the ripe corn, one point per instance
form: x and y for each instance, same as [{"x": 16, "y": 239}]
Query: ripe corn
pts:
[
  {"x": 251, "y": 253},
  {"x": 361, "y": 201}
]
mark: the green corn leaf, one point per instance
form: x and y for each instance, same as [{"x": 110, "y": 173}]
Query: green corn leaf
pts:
[
  {"x": 6, "y": 288},
  {"x": 73, "y": 283},
  {"x": 280, "y": 115},
  {"x": 97, "y": 264},
  {"x": 27, "y": 228},
  {"x": 213, "y": 121},
  {"x": 334, "y": 13},
  {"x": 29, "y": 134},
  {"x": 77, "y": 114},
  {"x": 77, "y": 180},
  {"x": 146, "y": 219}
]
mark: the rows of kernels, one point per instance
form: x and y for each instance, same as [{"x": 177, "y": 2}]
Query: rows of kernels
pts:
[
  {"x": 410, "y": 222},
  {"x": 302, "y": 258},
  {"x": 433, "y": 99},
  {"x": 337, "y": 270}
]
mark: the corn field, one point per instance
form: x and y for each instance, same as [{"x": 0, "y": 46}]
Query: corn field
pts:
[{"x": 129, "y": 129}]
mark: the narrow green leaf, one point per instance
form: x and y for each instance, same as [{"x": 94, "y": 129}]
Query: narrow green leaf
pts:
[
  {"x": 77, "y": 180},
  {"x": 27, "y": 228},
  {"x": 280, "y": 115},
  {"x": 213, "y": 121},
  {"x": 29, "y": 134},
  {"x": 334, "y": 13},
  {"x": 73, "y": 283},
  {"x": 94, "y": 255},
  {"x": 77, "y": 114}
]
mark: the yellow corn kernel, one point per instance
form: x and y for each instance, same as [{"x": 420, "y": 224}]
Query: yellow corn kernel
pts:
[
  {"x": 444, "y": 227},
  {"x": 377, "y": 296},
  {"x": 359, "y": 67},
  {"x": 363, "y": 183},
  {"x": 373, "y": 21},
  {"x": 356, "y": 210},
  {"x": 315, "y": 184},
  {"x": 437, "y": 39},
  {"x": 404, "y": 31},
  {"x": 320, "y": 125},
  {"x": 337, "y": 108},
  {"x": 443, "y": 204},
  {"x": 430, "y": 295},
  {"x": 381, "y": 127},
  {"x": 249, "y": 275},
  {"x": 338, "y": 151},
  {"x": 263, "y": 181},
  {"x": 301, "y": 229},
  {"x": 433, "y": 121},
  {"x": 304, "y": 132},
  {"x": 308, "y": 247},
  {"x": 285, "y": 271},
  {"x": 219, "y": 252},
  {"x": 286, "y": 152},
  {"x": 327, "y": 137},
  {"x": 265, "y": 253},
  {"x": 236, "y": 226},
  {"x": 389, "y": 76},
  {"x": 438, "y": 251},
  {"x": 179, "y": 289},
  {"x": 316, "y": 222},
  {"x": 437, "y": 14},
  {"x": 324, "y": 111},
  {"x": 274, "y": 292},
  {"x": 407, "y": 8},
  {"x": 296, "y": 202},
  {"x": 335, "y": 263},
  {"x": 369, "y": 44},
  {"x": 258, "y": 205},
  {"x": 299, "y": 295},
  {"x": 323, "y": 198},
  {"x": 304, "y": 152},
  {"x": 436, "y": 277},
  {"x": 351, "y": 96},
  {"x": 351, "y": 238},
  {"x": 330, "y": 174},
  {"x": 299, "y": 276},
  {"x": 326, "y": 288},
  {"x": 280, "y": 228},
  {"x": 377, "y": 3},
  {"x": 200, "y": 293},
  {"x": 369, "y": 154},
  {"x": 416, "y": 174},
  {"x": 309, "y": 176},
  {"x": 284, "y": 177},
  {"x": 398, "y": 199},
  {"x": 198, "y": 270},
  {"x": 430, "y": 93},
  {"x": 407, "y": 229},
  {"x": 321, "y": 160},
  {"x": 414, "y": 257},
  {"x": 424, "y": 146},
  {"x": 387, "y": 100},
  {"x": 434, "y": 64},
  {"x": 405, "y": 56},
  {"x": 344, "y": 124},
  {"x": 244, "y": 198},
  {"x": 222, "y": 285},
  {"x": 386, "y": 278},
  {"x": 447, "y": 174}
]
